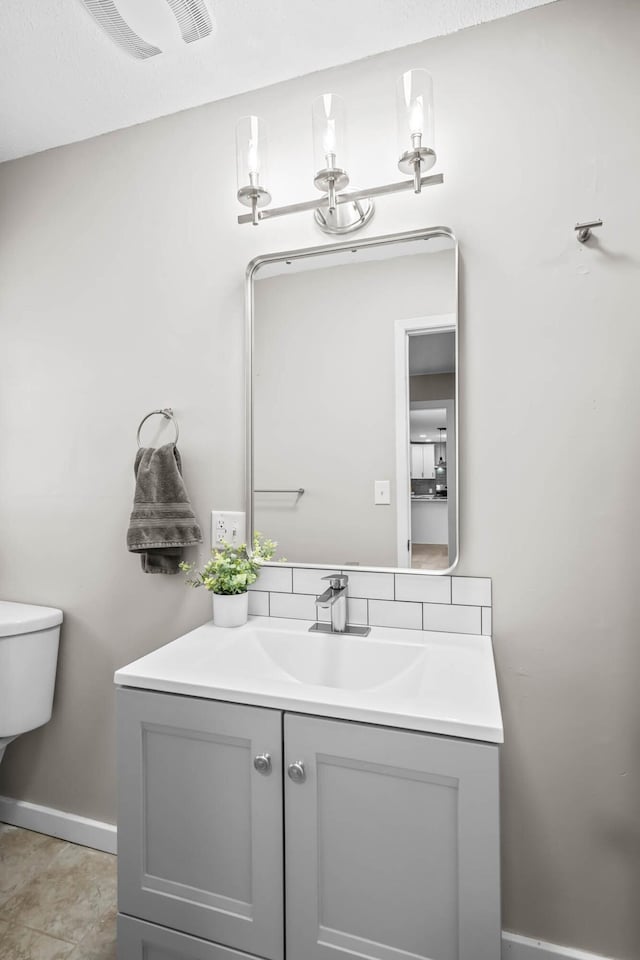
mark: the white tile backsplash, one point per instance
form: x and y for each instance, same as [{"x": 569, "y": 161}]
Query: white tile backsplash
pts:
[
  {"x": 258, "y": 604},
  {"x": 423, "y": 589},
  {"x": 310, "y": 581},
  {"x": 372, "y": 586},
  {"x": 405, "y": 600},
  {"x": 391, "y": 613},
  {"x": 274, "y": 578},
  {"x": 297, "y": 606},
  {"x": 471, "y": 590},
  {"x": 451, "y": 618}
]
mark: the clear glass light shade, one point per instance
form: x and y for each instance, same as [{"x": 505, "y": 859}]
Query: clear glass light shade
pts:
[
  {"x": 251, "y": 154},
  {"x": 328, "y": 117},
  {"x": 415, "y": 117}
]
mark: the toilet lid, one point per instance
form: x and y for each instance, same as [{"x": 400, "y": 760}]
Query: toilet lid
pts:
[{"x": 26, "y": 618}]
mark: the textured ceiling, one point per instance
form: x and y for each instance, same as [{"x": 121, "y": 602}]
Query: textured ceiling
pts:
[{"x": 62, "y": 79}]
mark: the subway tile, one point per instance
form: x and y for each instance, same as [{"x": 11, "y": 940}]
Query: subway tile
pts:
[
  {"x": 487, "y": 621},
  {"x": 475, "y": 591},
  {"x": 274, "y": 578},
  {"x": 450, "y": 618},
  {"x": 423, "y": 588},
  {"x": 310, "y": 581},
  {"x": 372, "y": 586},
  {"x": 388, "y": 613},
  {"x": 356, "y": 612},
  {"x": 295, "y": 606},
  {"x": 258, "y": 604}
]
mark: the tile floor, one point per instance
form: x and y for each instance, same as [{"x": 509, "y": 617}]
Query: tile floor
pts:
[
  {"x": 429, "y": 556},
  {"x": 57, "y": 900}
]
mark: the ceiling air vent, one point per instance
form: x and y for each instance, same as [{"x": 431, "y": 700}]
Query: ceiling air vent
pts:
[
  {"x": 107, "y": 15},
  {"x": 193, "y": 18}
]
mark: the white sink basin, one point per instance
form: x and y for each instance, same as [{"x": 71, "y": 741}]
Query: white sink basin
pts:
[
  {"x": 441, "y": 683},
  {"x": 345, "y": 661},
  {"x": 284, "y": 651}
]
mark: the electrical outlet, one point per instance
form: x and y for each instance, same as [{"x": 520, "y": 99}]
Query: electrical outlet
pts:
[{"x": 228, "y": 525}]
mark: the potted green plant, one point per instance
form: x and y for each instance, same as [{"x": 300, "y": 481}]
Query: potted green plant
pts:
[{"x": 228, "y": 574}]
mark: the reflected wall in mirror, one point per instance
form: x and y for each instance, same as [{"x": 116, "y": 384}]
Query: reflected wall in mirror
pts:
[{"x": 352, "y": 402}]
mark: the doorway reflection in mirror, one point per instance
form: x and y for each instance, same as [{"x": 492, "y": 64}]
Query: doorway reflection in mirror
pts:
[{"x": 431, "y": 434}]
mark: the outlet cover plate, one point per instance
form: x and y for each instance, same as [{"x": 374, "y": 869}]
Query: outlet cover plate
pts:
[
  {"x": 229, "y": 525},
  {"x": 382, "y": 492}
]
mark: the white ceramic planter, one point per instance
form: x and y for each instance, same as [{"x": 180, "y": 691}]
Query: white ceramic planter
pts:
[{"x": 230, "y": 610}]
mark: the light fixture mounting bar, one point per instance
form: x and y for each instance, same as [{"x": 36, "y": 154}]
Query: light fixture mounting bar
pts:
[{"x": 401, "y": 185}]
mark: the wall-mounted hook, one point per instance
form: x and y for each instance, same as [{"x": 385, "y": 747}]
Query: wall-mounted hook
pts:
[{"x": 584, "y": 229}]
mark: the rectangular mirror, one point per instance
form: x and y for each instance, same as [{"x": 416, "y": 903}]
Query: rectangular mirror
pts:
[{"x": 352, "y": 402}]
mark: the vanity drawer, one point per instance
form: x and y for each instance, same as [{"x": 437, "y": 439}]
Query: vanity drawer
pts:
[{"x": 138, "y": 940}]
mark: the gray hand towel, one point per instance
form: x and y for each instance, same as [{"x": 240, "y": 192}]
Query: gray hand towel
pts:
[{"x": 162, "y": 521}]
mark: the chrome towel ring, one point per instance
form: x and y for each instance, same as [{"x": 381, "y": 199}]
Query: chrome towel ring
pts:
[{"x": 165, "y": 412}]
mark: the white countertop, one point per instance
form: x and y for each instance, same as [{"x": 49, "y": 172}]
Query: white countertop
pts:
[{"x": 453, "y": 691}]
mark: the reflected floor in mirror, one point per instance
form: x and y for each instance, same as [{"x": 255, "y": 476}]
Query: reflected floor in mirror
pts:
[{"x": 429, "y": 556}]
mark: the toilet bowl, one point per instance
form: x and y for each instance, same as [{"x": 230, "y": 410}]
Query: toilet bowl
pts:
[{"x": 29, "y": 638}]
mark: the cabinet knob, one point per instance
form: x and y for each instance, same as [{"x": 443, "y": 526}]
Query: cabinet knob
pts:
[
  {"x": 262, "y": 763},
  {"x": 296, "y": 772}
]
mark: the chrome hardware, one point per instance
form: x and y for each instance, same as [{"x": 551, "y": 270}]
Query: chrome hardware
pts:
[
  {"x": 296, "y": 772},
  {"x": 299, "y": 491},
  {"x": 349, "y": 630},
  {"x": 584, "y": 229},
  {"x": 334, "y": 599},
  {"x": 350, "y": 198},
  {"x": 165, "y": 412},
  {"x": 337, "y": 581},
  {"x": 262, "y": 763}
]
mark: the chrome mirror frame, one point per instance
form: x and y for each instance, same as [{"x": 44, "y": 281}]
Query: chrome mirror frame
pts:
[{"x": 306, "y": 253}]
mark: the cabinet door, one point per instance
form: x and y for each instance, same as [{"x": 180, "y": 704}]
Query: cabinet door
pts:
[
  {"x": 417, "y": 461},
  {"x": 199, "y": 828},
  {"x": 138, "y": 940},
  {"x": 428, "y": 452},
  {"x": 392, "y": 845}
]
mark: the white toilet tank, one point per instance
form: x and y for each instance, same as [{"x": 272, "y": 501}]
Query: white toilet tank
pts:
[{"x": 28, "y": 656}]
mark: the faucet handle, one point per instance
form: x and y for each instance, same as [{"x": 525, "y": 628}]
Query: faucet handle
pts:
[{"x": 337, "y": 581}]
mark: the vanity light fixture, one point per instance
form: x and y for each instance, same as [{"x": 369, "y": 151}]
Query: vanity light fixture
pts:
[
  {"x": 415, "y": 124},
  {"x": 251, "y": 164},
  {"x": 341, "y": 211}
]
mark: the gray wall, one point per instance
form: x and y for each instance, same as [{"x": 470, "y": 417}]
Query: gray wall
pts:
[
  {"x": 121, "y": 273},
  {"x": 325, "y": 406}
]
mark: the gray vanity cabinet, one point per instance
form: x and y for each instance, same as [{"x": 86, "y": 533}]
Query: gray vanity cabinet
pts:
[
  {"x": 199, "y": 827},
  {"x": 390, "y": 837},
  {"x": 392, "y": 844}
]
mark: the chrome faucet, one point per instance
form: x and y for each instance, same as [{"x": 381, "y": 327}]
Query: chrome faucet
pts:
[{"x": 334, "y": 599}]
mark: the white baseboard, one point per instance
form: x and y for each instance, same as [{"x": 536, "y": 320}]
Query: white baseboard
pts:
[
  {"x": 57, "y": 823},
  {"x": 515, "y": 947}
]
